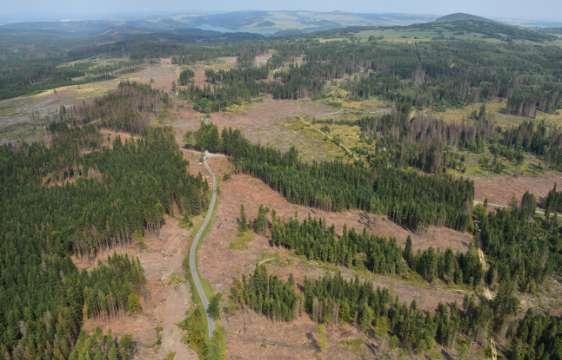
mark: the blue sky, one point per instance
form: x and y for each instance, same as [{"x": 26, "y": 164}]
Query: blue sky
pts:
[{"x": 524, "y": 9}]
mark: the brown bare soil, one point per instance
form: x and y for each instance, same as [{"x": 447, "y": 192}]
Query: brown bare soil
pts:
[
  {"x": 219, "y": 259},
  {"x": 252, "y": 334},
  {"x": 199, "y": 77},
  {"x": 166, "y": 296},
  {"x": 262, "y": 59},
  {"x": 160, "y": 74},
  {"x": 502, "y": 189},
  {"x": 252, "y": 192},
  {"x": 548, "y": 298},
  {"x": 218, "y": 162}
]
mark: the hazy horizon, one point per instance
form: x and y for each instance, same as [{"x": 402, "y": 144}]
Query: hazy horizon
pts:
[{"x": 79, "y": 9}]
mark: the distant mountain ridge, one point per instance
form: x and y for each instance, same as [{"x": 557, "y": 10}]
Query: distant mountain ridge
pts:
[
  {"x": 283, "y": 23},
  {"x": 257, "y": 22},
  {"x": 271, "y": 22},
  {"x": 462, "y": 17}
]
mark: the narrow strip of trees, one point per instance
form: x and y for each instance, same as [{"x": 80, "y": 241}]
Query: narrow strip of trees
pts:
[{"x": 316, "y": 241}]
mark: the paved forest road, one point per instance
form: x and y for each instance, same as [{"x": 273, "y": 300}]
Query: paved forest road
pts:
[{"x": 193, "y": 251}]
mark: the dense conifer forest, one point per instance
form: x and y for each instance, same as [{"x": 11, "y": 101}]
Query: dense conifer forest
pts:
[
  {"x": 423, "y": 73},
  {"x": 552, "y": 204},
  {"x": 102, "y": 346},
  {"x": 226, "y": 88},
  {"x": 522, "y": 248},
  {"x": 77, "y": 197},
  {"x": 315, "y": 240},
  {"x": 266, "y": 294}
]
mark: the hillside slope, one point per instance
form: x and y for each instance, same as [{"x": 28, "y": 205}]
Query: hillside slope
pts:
[{"x": 466, "y": 23}]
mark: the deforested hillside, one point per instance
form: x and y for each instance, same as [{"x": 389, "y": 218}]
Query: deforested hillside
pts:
[{"x": 280, "y": 184}]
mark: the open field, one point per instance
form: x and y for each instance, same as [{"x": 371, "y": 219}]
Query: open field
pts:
[
  {"x": 264, "y": 123},
  {"x": 254, "y": 334},
  {"x": 495, "y": 109},
  {"x": 20, "y": 118},
  {"x": 531, "y": 166},
  {"x": 262, "y": 59},
  {"x": 160, "y": 74},
  {"x": 502, "y": 189}
]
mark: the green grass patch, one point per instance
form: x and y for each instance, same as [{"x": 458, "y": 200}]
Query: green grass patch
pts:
[
  {"x": 24, "y": 132},
  {"x": 355, "y": 345},
  {"x": 242, "y": 240},
  {"x": 484, "y": 164},
  {"x": 495, "y": 109},
  {"x": 321, "y": 337},
  {"x": 316, "y": 142},
  {"x": 175, "y": 279},
  {"x": 195, "y": 326}
]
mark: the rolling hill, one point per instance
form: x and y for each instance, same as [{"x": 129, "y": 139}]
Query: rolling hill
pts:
[
  {"x": 460, "y": 23},
  {"x": 454, "y": 26}
]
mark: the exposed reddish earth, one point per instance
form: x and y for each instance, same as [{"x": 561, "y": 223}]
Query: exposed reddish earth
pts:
[
  {"x": 502, "y": 189},
  {"x": 251, "y": 334}
]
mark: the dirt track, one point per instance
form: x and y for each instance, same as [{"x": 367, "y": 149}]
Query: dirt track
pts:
[{"x": 193, "y": 251}]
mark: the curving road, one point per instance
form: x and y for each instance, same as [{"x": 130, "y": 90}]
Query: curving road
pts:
[{"x": 193, "y": 251}]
